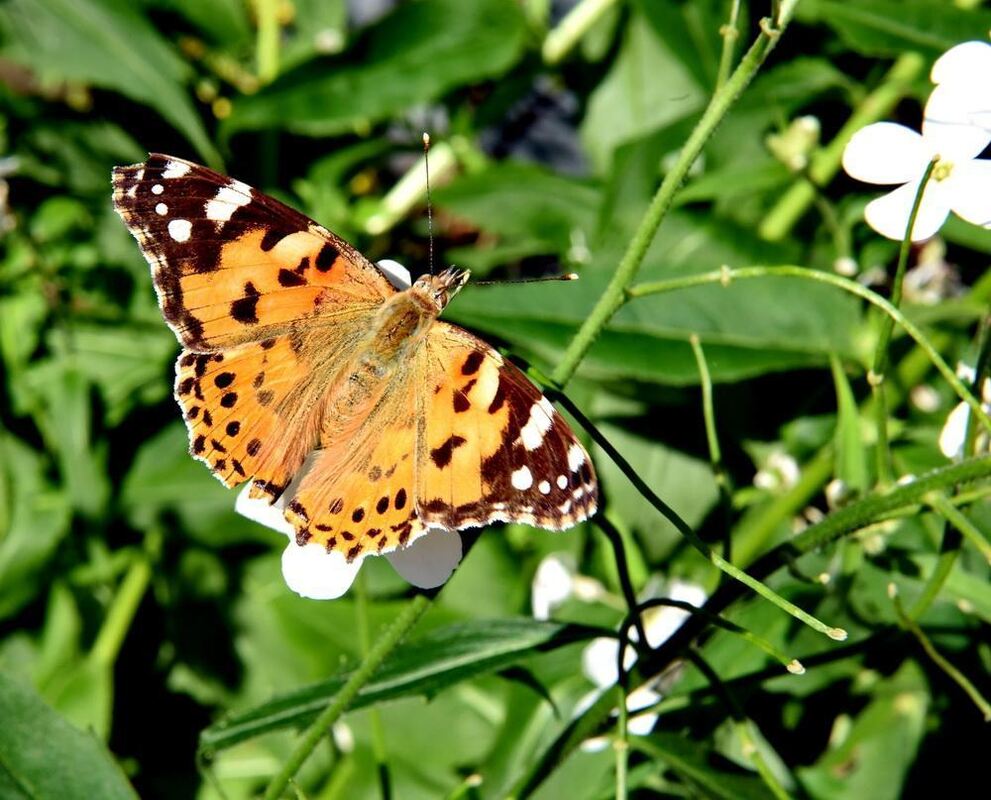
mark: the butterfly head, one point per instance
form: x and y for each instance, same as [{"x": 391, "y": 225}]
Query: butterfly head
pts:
[{"x": 439, "y": 289}]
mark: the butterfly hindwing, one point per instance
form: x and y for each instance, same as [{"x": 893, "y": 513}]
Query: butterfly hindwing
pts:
[
  {"x": 491, "y": 446},
  {"x": 359, "y": 496},
  {"x": 231, "y": 264}
]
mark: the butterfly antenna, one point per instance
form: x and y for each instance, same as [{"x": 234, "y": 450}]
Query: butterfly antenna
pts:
[
  {"x": 568, "y": 276},
  {"x": 430, "y": 211}
]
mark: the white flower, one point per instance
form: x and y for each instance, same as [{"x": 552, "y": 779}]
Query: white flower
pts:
[
  {"x": 954, "y": 132},
  {"x": 781, "y": 471},
  {"x": 600, "y": 659},
  {"x": 951, "y": 438},
  {"x": 954, "y": 73},
  {"x": 310, "y": 571},
  {"x": 553, "y": 584}
]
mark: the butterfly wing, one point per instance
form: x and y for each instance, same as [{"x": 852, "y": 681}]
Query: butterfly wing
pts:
[
  {"x": 265, "y": 302},
  {"x": 491, "y": 446},
  {"x": 232, "y": 265},
  {"x": 359, "y": 495}
]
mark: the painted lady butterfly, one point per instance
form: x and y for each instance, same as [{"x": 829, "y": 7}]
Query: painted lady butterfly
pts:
[{"x": 294, "y": 342}]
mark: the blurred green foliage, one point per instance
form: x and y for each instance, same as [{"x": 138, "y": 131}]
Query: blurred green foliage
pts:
[{"x": 141, "y": 619}]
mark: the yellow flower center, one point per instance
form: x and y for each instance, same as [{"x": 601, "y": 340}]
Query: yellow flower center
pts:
[{"x": 942, "y": 170}]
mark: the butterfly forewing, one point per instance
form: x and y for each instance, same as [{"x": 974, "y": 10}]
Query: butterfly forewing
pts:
[{"x": 231, "y": 264}]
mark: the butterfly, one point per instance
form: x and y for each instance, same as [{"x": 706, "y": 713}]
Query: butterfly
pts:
[{"x": 295, "y": 345}]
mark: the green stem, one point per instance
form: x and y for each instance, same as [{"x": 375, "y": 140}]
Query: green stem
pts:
[
  {"x": 623, "y": 572},
  {"x": 949, "y": 549},
  {"x": 715, "y": 453},
  {"x": 793, "y": 665},
  {"x": 123, "y": 607},
  {"x": 622, "y": 745},
  {"x": 613, "y": 297},
  {"x": 741, "y": 723},
  {"x": 386, "y": 643},
  {"x": 981, "y": 364},
  {"x": 569, "y": 31},
  {"x": 365, "y": 643},
  {"x": 686, "y": 530},
  {"x": 267, "y": 43},
  {"x": 939, "y": 659},
  {"x": 825, "y": 163},
  {"x": 726, "y": 275},
  {"x": 729, "y": 33},
  {"x": 961, "y": 522},
  {"x": 876, "y": 377}
]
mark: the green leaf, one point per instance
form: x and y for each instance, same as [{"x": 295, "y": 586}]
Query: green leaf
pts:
[
  {"x": 423, "y": 667},
  {"x": 128, "y": 364},
  {"x": 851, "y": 452},
  {"x": 890, "y": 27},
  {"x": 631, "y": 101},
  {"x": 44, "y": 756},
  {"x": 224, "y": 21},
  {"x": 68, "y": 424},
  {"x": 747, "y": 328},
  {"x": 165, "y": 479},
  {"x": 701, "y": 768},
  {"x": 685, "y": 483},
  {"x": 531, "y": 210},
  {"x": 417, "y": 53},
  {"x": 106, "y": 44},
  {"x": 873, "y": 758},
  {"x": 33, "y": 521}
]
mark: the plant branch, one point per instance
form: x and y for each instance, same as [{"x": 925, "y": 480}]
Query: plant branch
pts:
[
  {"x": 726, "y": 275},
  {"x": 386, "y": 643},
  {"x": 613, "y": 297},
  {"x": 878, "y": 374}
]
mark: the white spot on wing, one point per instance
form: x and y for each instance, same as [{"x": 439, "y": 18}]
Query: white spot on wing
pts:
[
  {"x": 562, "y": 481},
  {"x": 544, "y": 487},
  {"x": 532, "y": 434},
  {"x": 227, "y": 200},
  {"x": 174, "y": 169},
  {"x": 179, "y": 229},
  {"x": 157, "y": 188},
  {"x": 522, "y": 478},
  {"x": 576, "y": 457},
  {"x": 161, "y": 209}
]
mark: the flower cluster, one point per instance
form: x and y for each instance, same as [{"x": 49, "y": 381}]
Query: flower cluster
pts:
[{"x": 956, "y": 129}]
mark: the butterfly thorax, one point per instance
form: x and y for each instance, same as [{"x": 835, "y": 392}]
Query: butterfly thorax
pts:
[{"x": 397, "y": 331}]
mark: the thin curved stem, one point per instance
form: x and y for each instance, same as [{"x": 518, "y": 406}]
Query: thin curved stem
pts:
[
  {"x": 386, "y": 643},
  {"x": 878, "y": 374},
  {"x": 727, "y": 275}
]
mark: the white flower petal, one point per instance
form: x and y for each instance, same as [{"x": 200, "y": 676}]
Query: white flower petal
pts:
[
  {"x": 312, "y": 572},
  {"x": 599, "y": 661},
  {"x": 889, "y": 214},
  {"x": 271, "y": 514},
  {"x": 885, "y": 153},
  {"x": 644, "y": 697},
  {"x": 429, "y": 560},
  {"x": 553, "y": 583},
  {"x": 951, "y": 438},
  {"x": 949, "y": 126},
  {"x": 969, "y": 191},
  {"x": 397, "y": 274},
  {"x": 967, "y": 64},
  {"x": 661, "y": 622},
  {"x": 264, "y": 513}
]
